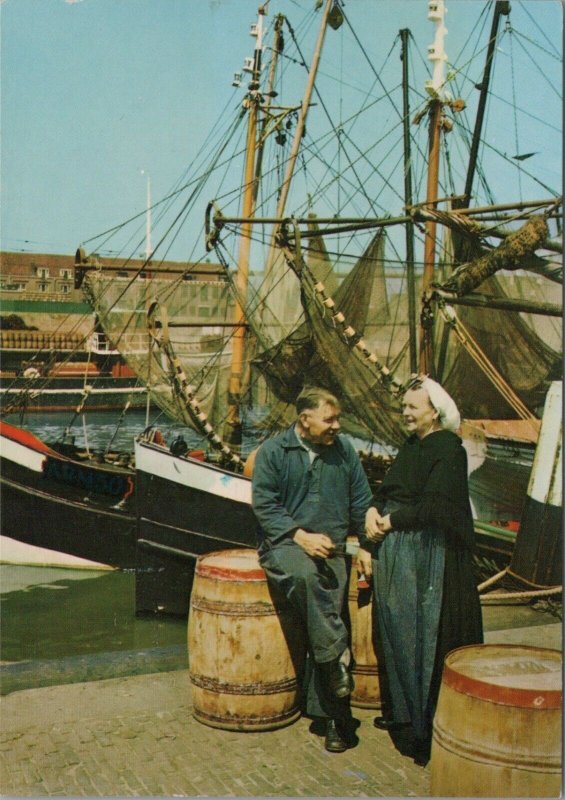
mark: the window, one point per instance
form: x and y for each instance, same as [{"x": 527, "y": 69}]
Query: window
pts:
[
  {"x": 65, "y": 288},
  {"x": 67, "y": 274},
  {"x": 203, "y": 311},
  {"x": 43, "y": 287},
  {"x": 42, "y": 272},
  {"x": 12, "y": 287}
]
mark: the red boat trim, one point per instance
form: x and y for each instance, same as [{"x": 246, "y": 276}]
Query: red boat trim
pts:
[
  {"x": 541, "y": 699},
  {"x": 25, "y": 438}
]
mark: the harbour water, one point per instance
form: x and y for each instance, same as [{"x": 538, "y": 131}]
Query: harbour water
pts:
[
  {"x": 61, "y": 625},
  {"x": 69, "y": 625},
  {"x": 101, "y": 430}
]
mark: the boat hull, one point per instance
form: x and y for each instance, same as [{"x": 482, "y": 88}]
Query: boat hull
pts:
[
  {"x": 185, "y": 508},
  {"x": 60, "y": 394},
  {"x": 58, "y": 503}
]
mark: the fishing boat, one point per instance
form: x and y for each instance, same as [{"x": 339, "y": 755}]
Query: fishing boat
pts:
[
  {"x": 334, "y": 273},
  {"x": 326, "y": 310},
  {"x": 65, "y": 501},
  {"x": 43, "y": 372}
]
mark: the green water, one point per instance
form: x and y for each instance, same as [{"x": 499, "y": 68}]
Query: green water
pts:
[{"x": 67, "y": 625}]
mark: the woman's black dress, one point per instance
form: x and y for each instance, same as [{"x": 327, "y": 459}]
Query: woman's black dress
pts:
[{"x": 426, "y": 597}]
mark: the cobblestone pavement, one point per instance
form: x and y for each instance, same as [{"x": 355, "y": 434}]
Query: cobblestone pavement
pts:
[{"x": 136, "y": 736}]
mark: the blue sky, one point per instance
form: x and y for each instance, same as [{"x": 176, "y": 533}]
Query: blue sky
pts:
[{"x": 95, "y": 91}]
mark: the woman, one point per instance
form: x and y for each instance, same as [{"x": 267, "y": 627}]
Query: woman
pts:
[{"x": 417, "y": 545}]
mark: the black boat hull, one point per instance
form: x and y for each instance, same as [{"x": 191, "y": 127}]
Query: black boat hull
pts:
[
  {"x": 185, "y": 509},
  {"x": 55, "y": 502}
]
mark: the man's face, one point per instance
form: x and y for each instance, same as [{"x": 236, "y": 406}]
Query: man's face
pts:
[
  {"x": 418, "y": 412},
  {"x": 320, "y": 425}
]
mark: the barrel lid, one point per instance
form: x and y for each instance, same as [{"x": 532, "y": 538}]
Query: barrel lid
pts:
[
  {"x": 231, "y": 565},
  {"x": 514, "y": 675}
]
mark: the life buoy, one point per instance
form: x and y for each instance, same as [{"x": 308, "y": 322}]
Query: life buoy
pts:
[
  {"x": 153, "y": 435},
  {"x": 31, "y": 372}
]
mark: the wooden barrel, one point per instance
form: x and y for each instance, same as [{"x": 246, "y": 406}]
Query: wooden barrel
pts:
[
  {"x": 366, "y": 669},
  {"x": 497, "y": 727},
  {"x": 245, "y": 648}
]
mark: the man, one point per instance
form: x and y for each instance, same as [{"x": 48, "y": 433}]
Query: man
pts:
[{"x": 309, "y": 492}]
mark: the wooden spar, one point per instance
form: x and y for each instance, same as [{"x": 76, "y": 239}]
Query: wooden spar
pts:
[
  {"x": 417, "y": 213},
  {"x": 299, "y": 132},
  {"x": 503, "y": 303},
  {"x": 411, "y": 283},
  {"x": 426, "y": 354},
  {"x": 524, "y": 204},
  {"x": 502, "y": 8},
  {"x": 353, "y": 222},
  {"x": 233, "y": 429}
]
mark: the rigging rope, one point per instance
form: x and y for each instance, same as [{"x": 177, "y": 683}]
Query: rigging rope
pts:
[
  {"x": 343, "y": 328},
  {"x": 160, "y": 335},
  {"x": 483, "y": 362}
]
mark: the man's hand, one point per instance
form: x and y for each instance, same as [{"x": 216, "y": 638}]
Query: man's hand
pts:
[
  {"x": 364, "y": 562},
  {"x": 374, "y": 525},
  {"x": 317, "y": 545}
]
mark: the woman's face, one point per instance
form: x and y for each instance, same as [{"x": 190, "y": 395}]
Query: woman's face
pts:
[{"x": 418, "y": 413}]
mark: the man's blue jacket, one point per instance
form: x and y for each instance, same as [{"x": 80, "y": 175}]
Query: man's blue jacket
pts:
[{"x": 329, "y": 495}]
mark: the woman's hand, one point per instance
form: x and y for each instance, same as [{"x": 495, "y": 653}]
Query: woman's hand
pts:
[
  {"x": 374, "y": 525},
  {"x": 364, "y": 562},
  {"x": 386, "y": 524}
]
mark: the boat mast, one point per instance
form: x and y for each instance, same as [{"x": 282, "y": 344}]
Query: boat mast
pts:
[
  {"x": 502, "y": 8},
  {"x": 233, "y": 427},
  {"x": 278, "y": 45},
  {"x": 436, "y": 90},
  {"x": 300, "y": 127},
  {"x": 408, "y": 200}
]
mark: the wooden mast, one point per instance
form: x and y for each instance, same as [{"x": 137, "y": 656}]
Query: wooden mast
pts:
[
  {"x": 408, "y": 201},
  {"x": 435, "y": 87},
  {"x": 502, "y": 8},
  {"x": 233, "y": 428},
  {"x": 299, "y": 131}
]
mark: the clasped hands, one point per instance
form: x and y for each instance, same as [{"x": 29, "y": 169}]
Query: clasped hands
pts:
[{"x": 376, "y": 527}]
